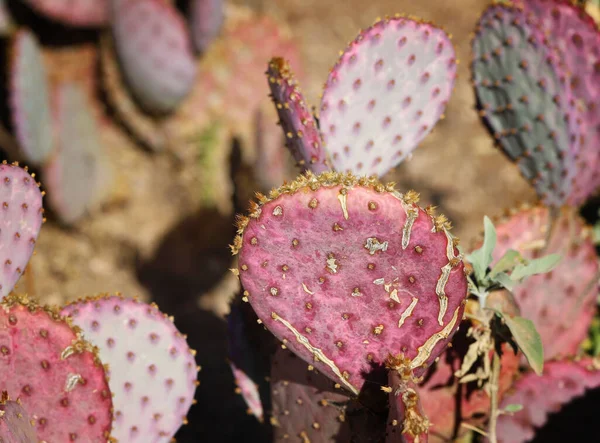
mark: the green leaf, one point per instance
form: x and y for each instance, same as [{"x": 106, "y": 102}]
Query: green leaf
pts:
[
  {"x": 537, "y": 266},
  {"x": 506, "y": 262},
  {"x": 513, "y": 408},
  {"x": 482, "y": 257},
  {"x": 504, "y": 280},
  {"x": 529, "y": 341}
]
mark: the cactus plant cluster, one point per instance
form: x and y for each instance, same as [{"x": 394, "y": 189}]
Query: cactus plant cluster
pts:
[{"x": 57, "y": 362}]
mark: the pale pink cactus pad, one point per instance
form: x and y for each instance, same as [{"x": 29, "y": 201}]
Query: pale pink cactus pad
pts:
[
  {"x": 249, "y": 392},
  {"x": 347, "y": 271},
  {"x": 56, "y": 374},
  {"x": 152, "y": 369},
  {"x": 21, "y": 218},
  {"x": 83, "y": 13},
  {"x": 385, "y": 94},
  {"x": 561, "y": 302}
]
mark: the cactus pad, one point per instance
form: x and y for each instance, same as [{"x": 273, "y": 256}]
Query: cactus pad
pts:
[
  {"x": 385, "y": 94},
  {"x": 561, "y": 302},
  {"x": 30, "y": 100},
  {"x": 561, "y": 382},
  {"x": 526, "y": 100},
  {"x": 152, "y": 369},
  {"x": 578, "y": 38},
  {"x": 76, "y": 175},
  {"x": 16, "y": 426},
  {"x": 206, "y": 19},
  {"x": 56, "y": 374},
  {"x": 407, "y": 421},
  {"x": 334, "y": 267},
  {"x": 80, "y": 13},
  {"x": 21, "y": 221},
  {"x": 299, "y": 126},
  {"x": 154, "y": 48},
  {"x": 249, "y": 392}
]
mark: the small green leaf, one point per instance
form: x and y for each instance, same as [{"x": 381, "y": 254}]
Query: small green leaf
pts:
[
  {"x": 504, "y": 280},
  {"x": 482, "y": 257},
  {"x": 506, "y": 262},
  {"x": 513, "y": 408},
  {"x": 529, "y": 341},
  {"x": 537, "y": 266}
]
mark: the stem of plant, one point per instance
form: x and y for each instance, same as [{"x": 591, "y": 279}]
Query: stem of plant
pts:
[{"x": 494, "y": 398}]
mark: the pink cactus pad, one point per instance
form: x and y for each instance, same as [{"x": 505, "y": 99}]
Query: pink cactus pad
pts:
[
  {"x": 30, "y": 99},
  {"x": 305, "y": 403},
  {"x": 249, "y": 392},
  {"x": 562, "y": 302},
  {"x": 78, "y": 173},
  {"x": 385, "y": 94},
  {"x": 58, "y": 376},
  {"x": 152, "y": 369},
  {"x": 81, "y": 13},
  {"x": 577, "y": 37},
  {"x": 561, "y": 382},
  {"x": 206, "y": 19},
  {"x": 299, "y": 127},
  {"x": 20, "y": 222},
  {"x": 154, "y": 48},
  {"x": 16, "y": 426},
  {"x": 347, "y": 271}
]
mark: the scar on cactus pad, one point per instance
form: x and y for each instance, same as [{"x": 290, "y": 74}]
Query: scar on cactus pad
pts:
[
  {"x": 346, "y": 271},
  {"x": 55, "y": 372},
  {"x": 153, "y": 373},
  {"x": 22, "y": 218}
]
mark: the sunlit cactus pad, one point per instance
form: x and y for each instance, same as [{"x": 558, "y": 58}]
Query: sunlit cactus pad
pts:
[
  {"x": 56, "y": 374},
  {"x": 154, "y": 49},
  {"x": 30, "y": 99},
  {"x": 21, "y": 217},
  {"x": 77, "y": 173},
  {"x": 335, "y": 267},
  {"x": 85, "y": 13},
  {"x": 152, "y": 370},
  {"x": 385, "y": 94},
  {"x": 526, "y": 100},
  {"x": 561, "y": 302}
]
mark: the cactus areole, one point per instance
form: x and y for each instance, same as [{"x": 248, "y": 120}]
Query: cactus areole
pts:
[{"x": 347, "y": 271}]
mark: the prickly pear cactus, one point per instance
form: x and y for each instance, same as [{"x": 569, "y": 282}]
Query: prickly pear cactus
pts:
[
  {"x": 16, "y": 426},
  {"x": 407, "y": 421},
  {"x": 525, "y": 100},
  {"x": 78, "y": 174},
  {"x": 334, "y": 267},
  {"x": 22, "y": 218},
  {"x": 57, "y": 375},
  {"x": 249, "y": 392},
  {"x": 561, "y": 302},
  {"x": 206, "y": 19},
  {"x": 154, "y": 49},
  {"x": 79, "y": 13},
  {"x": 577, "y": 36},
  {"x": 385, "y": 94},
  {"x": 561, "y": 382},
  {"x": 152, "y": 369},
  {"x": 30, "y": 99},
  {"x": 299, "y": 126}
]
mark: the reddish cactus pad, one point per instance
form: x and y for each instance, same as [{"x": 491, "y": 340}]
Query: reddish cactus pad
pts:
[
  {"x": 152, "y": 369},
  {"x": 249, "y": 392},
  {"x": 299, "y": 126},
  {"x": 561, "y": 382},
  {"x": 20, "y": 223},
  {"x": 562, "y": 302},
  {"x": 155, "y": 51},
  {"x": 55, "y": 372},
  {"x": 385, "y": 94},
  {"x": 84, "y": 13},
  {"x": 347, "y": 271},
  {"x": 16, "y": 426}
]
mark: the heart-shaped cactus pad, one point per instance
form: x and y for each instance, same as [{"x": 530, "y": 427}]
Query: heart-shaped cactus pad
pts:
[{"x": 346, "y": 271}]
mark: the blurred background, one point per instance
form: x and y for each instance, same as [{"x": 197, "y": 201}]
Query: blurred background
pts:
[{"x": 167, "y": 185}]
